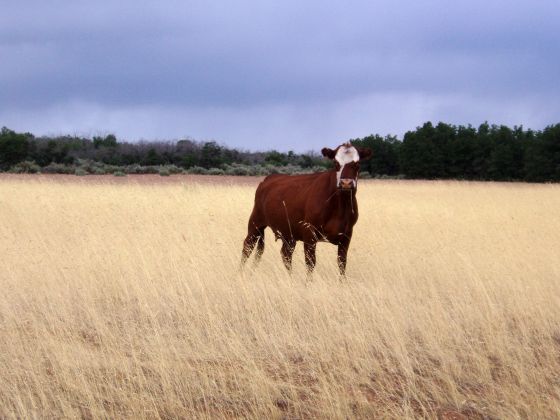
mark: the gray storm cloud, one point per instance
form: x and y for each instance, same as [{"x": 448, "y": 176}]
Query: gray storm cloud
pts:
[{"x": 275, "y": 74}]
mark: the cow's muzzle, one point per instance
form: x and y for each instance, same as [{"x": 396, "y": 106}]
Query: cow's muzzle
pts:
[{"x": 347, "y": 184}]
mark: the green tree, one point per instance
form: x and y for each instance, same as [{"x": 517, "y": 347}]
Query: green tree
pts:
[
  {"x": 505, "y": 160},
  {"x": 108, "y": 141},
  {"x": 189, "y": 160},
  {"x": 306, "y": 161},
  {"x": 423, "y": 151},
  {"x": 542, "y": 155},
  {"x": 460, "y": 153},
  {"x": 482, "y": 151},
  {"x": 385, "y": 158},
  {"x": 211, "y": 155},
  {"x": 152, "y": 157},
  {"x": 276, "y": 158},
  {"x": 13, "y": 147}
]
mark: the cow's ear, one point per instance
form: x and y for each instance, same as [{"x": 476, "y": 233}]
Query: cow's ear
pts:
[
  {"x": 328, "y": 153},
  {"x": 365, "y": 153}
]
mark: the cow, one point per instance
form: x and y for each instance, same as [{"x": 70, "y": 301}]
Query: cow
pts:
[{"x": 308, "y": 208}]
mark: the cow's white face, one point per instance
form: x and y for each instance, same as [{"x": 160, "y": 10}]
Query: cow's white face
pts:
[
  {"x": 347, "y": 158},
  {"x": 347, "y": 164}
]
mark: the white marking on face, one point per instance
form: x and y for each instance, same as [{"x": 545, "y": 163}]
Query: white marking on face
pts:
[{"x": 344, "y": 155}]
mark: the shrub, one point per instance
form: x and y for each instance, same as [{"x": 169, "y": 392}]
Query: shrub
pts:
[
  {"x": 216, "y": 171},
  {"x": 237, "y": 170},
  {"x": 80, "y": 172},
  {"x": 94, "y": 167},
  {"x": 58, "y": 168},
  {"x": 258, "y": 170},
  {"x": 85, "y": 163},
  {"x": 111, "y": 169},
  {"x": 174, "y": 169},
  {"x": 269, "y": 170},
  {"x": 134, "y": 169},
  {"x": 25, "y": 167},
  {"x": 163, "y": 171},
  {"x": 150, "y": 169},
  {"x": 197, "y": 170},
  {"x": 119, "y": 173}
]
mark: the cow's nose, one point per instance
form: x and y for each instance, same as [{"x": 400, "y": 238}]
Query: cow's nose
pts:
[{"x": 346, "y": 184}]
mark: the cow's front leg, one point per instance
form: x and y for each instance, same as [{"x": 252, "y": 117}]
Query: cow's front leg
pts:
[
  {"x": 342, "y": 254},
  {"x": 310, "y": 259},
  {"x": 287, "y": 251}
]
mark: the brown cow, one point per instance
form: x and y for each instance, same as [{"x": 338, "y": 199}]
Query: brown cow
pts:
[{"x": 308, "y": 208}]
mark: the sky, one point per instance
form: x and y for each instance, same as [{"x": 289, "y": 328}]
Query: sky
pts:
[{"x": 285, "y": 75}]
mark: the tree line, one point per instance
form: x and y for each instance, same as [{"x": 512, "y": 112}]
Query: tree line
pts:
[
  {"x": 443, "y": 151},
  {"x": 23, "y": 152},
  {"x": 489, "y": 152}
]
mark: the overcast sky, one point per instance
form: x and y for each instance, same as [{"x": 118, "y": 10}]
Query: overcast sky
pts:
[{"x": 275, "y": 74}]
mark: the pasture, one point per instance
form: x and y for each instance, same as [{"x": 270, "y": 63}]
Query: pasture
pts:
[{"x": 121, "y": 297}]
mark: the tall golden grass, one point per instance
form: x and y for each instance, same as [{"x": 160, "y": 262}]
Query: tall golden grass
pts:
[{"x": 125, "y": 300}]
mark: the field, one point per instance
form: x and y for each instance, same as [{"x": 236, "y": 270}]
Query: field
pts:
[{"x": 122, "y": 297}]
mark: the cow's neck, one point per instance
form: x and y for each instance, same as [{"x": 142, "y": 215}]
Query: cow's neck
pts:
[{"x": 342, "y": 202}]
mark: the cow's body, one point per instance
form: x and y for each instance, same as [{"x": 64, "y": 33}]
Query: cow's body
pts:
[{"x": 307, "y": 208}]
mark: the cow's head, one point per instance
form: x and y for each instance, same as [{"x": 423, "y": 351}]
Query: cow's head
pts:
[{"x": 347, "y": 164}]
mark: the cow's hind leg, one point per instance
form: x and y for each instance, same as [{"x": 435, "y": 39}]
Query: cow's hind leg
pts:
[
  {"x": 260, "y": 245},
  {"x": 287, "y": 251},
  {"x": 255, "y": 236}
]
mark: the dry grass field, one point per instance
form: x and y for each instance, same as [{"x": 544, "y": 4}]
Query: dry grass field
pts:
[{"x": 121, "y": 297}]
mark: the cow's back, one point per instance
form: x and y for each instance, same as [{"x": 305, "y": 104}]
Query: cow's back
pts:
[{"x": 281, "y": 202}]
